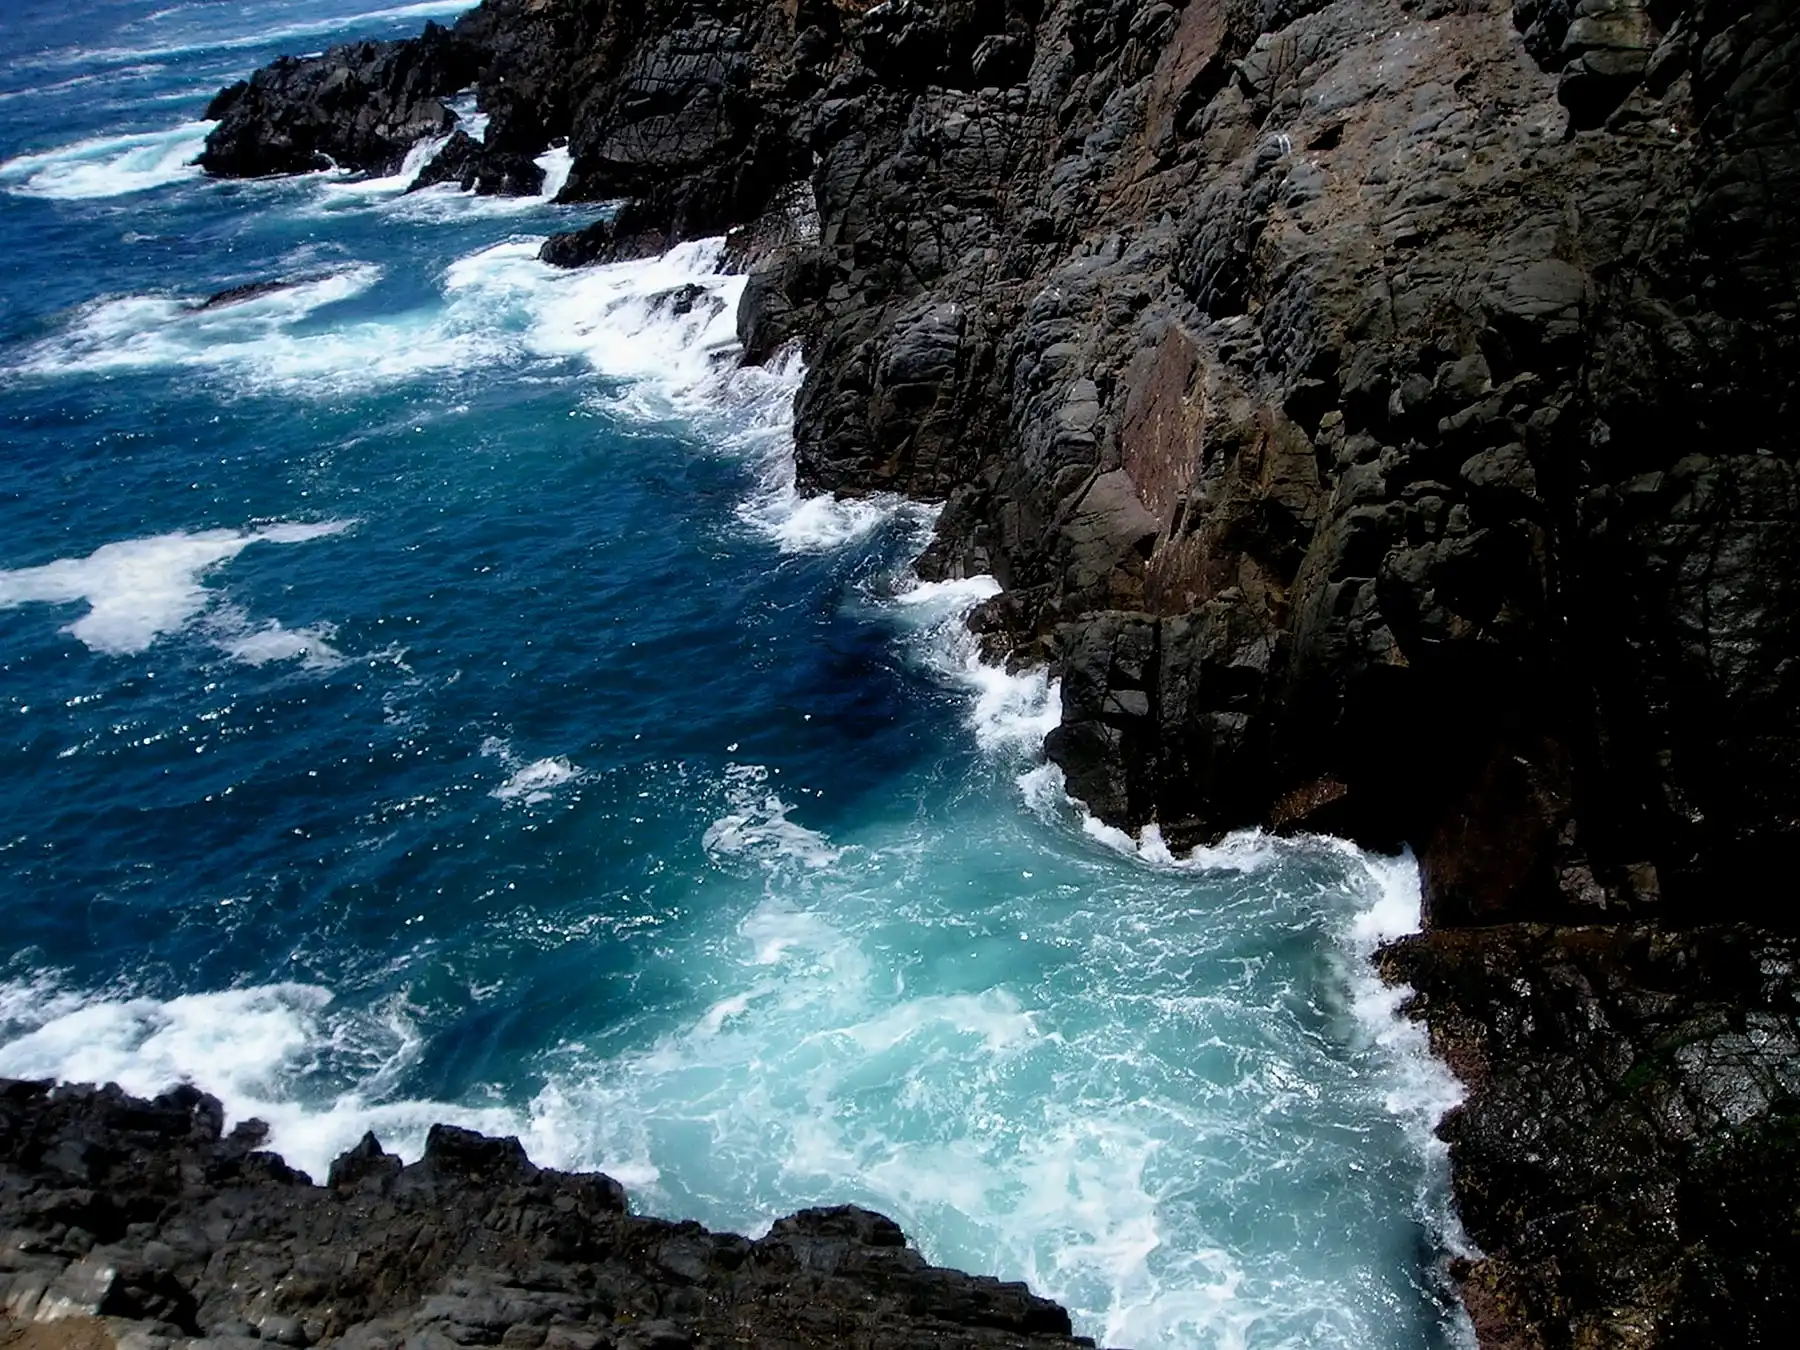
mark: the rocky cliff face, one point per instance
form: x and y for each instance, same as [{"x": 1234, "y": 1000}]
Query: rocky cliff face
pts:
[
  {"x": 1379, "y": 411},
  {"x": 1380, "y": 433},
  {"x": 1629, "y": 1156},
  {"x": 1381, "y": 416},
  {"x": 135, "y": 1224}
]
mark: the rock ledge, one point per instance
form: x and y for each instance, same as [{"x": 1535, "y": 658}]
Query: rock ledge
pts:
[{"x": 142, "y": 1225}]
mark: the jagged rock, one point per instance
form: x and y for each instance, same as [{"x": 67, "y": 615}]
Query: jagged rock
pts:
[
  {"x": 473, "y": 167},
  {"x": 359, "y": 106},
  {"x": 1626, "y": 1156},
  {"x": 200, "y": 1241},
  {"x": 633, "y": 231}
]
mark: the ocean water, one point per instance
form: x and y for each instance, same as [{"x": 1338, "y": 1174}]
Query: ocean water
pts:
[{"x": 423, "y": 696}]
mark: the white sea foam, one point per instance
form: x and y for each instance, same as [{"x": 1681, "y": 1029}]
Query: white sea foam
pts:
[
  {"x": 387, "y": 185},
  {"x": 281, "y": 1052},
  {"x": 108, "y": 166},
  {"x": 555, "y": 163},
  {"x": 1009, "y": 711},
  {"x": 261, "y": 338},
  {"x": 537, "y": 781},
  {"x": 815, "y": 1074},
  {"x": 529, "y": 783},
  {"x": 667, "y": 324},
  {"x": 272, "y": 642},
  {"x": 27, "y": 1004},
  {"x": 470, "y": 120},
  {"x": 1239, "y": 851},
  {"x": 1418, "y": 1088},
  {"x": 757, "y": 825},
  {"x": 275, "y": 343},
  {"x": 447, "y": 203},
  {"x": 776, "y": 508},
  {"x": 138, "y": 590}
]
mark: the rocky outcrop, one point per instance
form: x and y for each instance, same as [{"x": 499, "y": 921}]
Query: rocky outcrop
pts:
[
  {"x": 361, "y": 107},
  {"x": 1435, "y": 380},
  {"x": 1406, "y": 384},
  {"x": 1376, "y": 432},
  {"x": 1628, "y": 1158},
  {"x": 145, "y": 1226}
]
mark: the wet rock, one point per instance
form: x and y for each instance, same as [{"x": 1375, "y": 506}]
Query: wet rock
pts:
[
  {"x": 1625, "y": 1158},
  {"x": 473, "y": 167},
  {"x": 250, "y": 290},
  {"x": 633, "y": 231}
]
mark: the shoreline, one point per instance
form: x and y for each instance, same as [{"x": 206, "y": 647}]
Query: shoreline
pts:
[{"x": 1378, "y": 436}]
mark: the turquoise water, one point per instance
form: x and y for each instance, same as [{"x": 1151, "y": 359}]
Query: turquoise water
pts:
[{"x": 424, "y": 697}]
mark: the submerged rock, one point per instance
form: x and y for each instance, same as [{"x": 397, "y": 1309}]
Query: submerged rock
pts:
[
  {"x": 250, "y": 290},
  {"x": 143, "y": 1214}
]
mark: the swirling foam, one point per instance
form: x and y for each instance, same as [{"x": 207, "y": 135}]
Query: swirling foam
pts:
[
  {"x": 266, "y": 340},
  {"x": 757, "y": 826},
  {"x": 1009, "y": 711}
]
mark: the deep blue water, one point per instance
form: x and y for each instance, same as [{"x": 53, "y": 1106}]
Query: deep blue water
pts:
[{"x": 423, "y": 697}]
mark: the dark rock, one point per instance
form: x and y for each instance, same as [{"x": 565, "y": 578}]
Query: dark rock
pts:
[
  {"x": 363, "y": 1164},
  {"x": 633, "y": 231},
  {"x": 1625, "y": 1158},
  {"x": 473, "y": 167},
  {"x": 456, "y": 1152},
  {"x": 682, "y": 300},
  {"x": 472, "y": 1245},
  {"x": 250, "y": 290},
  {"x": 360, "y": 106},
  {"x": 224, "y": 299},
  {"x": 656, "y": 1335}
]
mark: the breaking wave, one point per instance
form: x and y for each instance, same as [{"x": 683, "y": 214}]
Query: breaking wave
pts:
[{"x": 108, "y": 166}]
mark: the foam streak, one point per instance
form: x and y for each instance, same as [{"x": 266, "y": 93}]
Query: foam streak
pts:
[{"x": 141, "y": 589}]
